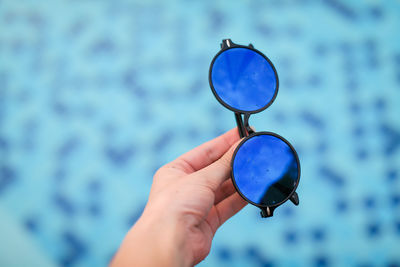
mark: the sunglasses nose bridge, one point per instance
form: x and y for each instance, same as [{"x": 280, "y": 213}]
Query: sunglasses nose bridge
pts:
[
  {"x": 243, "y": 126},
  {"x": 246, "y": 124},
  {"x": 240, "y": 125}
]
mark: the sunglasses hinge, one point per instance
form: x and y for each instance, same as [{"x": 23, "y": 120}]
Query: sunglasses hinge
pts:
[
  {"x": 267, "y": 212},
  {"x": 226, "y": 43}
]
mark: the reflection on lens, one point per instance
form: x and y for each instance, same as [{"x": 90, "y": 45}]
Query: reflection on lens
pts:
[
  {"x": 265, "y": 169},
  {"x": 243, "y": 79}
]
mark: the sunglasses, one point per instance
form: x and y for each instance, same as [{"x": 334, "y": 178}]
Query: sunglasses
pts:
[{"x": 265, "y": 166}]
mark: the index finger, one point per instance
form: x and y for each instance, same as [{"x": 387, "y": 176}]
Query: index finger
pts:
[{"x": 207, "y": 153}]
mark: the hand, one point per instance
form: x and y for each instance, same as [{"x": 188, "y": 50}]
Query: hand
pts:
[{"x": 191, "y": 197}]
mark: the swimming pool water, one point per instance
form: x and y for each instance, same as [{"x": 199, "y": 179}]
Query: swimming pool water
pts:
[{"x": 95, "y": 96}]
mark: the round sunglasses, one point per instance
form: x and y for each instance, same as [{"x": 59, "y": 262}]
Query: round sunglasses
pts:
[{"x": 265, "y": 166}]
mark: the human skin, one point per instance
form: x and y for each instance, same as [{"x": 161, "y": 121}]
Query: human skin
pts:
[{"x": 190, "y": 198}]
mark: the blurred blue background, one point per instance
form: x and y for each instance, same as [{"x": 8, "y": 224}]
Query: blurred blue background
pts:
[{"x": 96, "y": 95}]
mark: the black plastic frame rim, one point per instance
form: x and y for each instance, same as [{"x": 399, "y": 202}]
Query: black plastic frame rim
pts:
[
  {"x": 233, "y": 46},
  {"x": 233, "y": 177}
]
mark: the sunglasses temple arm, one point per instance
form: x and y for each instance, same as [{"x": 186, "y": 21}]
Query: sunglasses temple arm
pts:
[{"x": 240, "y": 125}]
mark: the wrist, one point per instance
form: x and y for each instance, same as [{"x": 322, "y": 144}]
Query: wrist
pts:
[{"x": 153, "y": 242}]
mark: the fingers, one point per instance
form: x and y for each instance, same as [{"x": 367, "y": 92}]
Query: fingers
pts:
[
  {"x": 216, "y": 173},
  {"x": 229, "y": 207},
  {"x": 224, "y": 191},
  {"x": 206, "y": 153},
  {"x": 224, "y": 210}
]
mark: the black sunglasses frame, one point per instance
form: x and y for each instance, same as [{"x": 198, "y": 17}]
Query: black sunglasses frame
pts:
[{"x": 246, "y": 132}]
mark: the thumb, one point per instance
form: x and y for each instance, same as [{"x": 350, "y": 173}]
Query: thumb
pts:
[{"x": 216, "y": 173}]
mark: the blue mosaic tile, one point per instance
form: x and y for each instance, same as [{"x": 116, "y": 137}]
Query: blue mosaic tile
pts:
[{"x": 94, "y": 98}]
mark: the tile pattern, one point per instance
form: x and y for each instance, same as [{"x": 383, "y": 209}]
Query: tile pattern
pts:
[{"x": 95, "y": 96}]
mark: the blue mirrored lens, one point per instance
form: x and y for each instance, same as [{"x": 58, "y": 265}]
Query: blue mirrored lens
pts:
[
  {"x": 243, "y": 79},
  {"x": 265, "y": 169}
]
